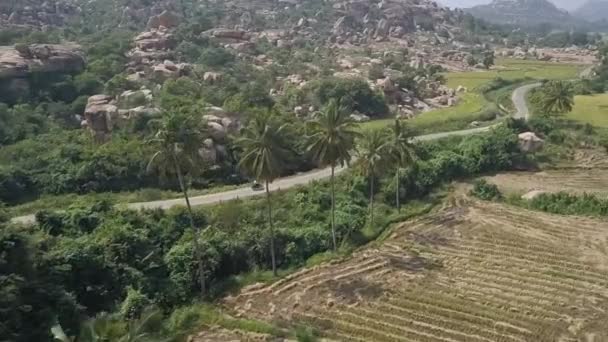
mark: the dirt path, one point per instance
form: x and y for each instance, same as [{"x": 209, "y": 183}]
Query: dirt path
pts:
[{"x": 519, "y": 99}]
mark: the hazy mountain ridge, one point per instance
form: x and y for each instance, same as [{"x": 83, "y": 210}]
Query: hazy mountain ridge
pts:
[
  {"x": 521, "y": 12},
  {"x": 568, "y": 5},
  {"x": 592, "y": 10}
]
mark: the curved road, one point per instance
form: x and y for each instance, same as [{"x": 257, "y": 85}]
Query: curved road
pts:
[{"x": 519, "y": 100}]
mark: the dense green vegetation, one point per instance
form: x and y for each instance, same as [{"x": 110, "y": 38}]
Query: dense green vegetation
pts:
[
  {"x": 100, "y": 272},
  {"x": 98, "y": 258}
]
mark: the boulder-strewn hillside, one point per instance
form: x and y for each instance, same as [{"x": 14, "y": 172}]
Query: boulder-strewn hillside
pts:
[
  {"x": 592, "y": 10},
  {"x": 521, "y": 12},
  {"x": 37, "y": 12}
]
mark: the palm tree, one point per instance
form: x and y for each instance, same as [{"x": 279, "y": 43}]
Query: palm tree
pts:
[
  {"x": 179, "y": 139},
  {"x": 557, "y": 97},
  {"x": 331, "y": 142},
  {"x": 400, "y": 151},
  {"x": 263, "y": 157},
  {"x": 371, "y": 154}
]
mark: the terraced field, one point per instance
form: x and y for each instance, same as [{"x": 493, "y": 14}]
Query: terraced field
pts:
[{"x": 472, "y": 271}]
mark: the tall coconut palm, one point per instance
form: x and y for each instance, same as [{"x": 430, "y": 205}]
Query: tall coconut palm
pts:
[
  {"x": 330, "y": 144},
  {"x": 557, "y": 97},
  {"x": 371, "y": 155},
  {"x": 263, "y": 158},
  {"x": 400, "y": 152},
  {"x": 178, "y": 140}
]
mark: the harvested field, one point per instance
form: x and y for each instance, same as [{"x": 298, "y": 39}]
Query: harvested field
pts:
[
  {"x": 584, "y": 171},
  {"x": 571, "y": 180},
  {"x": 216, "y": 334},
  {"x": 472, "y": 271}
]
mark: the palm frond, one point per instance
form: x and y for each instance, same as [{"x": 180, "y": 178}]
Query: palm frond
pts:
[
  {"x": 262, "y": 142},
  {"x": 333, "y": 136}
]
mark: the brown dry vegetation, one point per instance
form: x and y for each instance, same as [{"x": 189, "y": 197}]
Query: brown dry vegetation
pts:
[{"x": 472, "y": 271}]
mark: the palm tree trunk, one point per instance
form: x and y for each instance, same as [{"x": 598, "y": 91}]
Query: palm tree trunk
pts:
[
  {"x": 333, "y": 208},
  {"x": 371, "y": 200},
  {"x": 197, "y": 248},
  {"x": 271, "y": 226},
  {"x": 398, "y": 192}
]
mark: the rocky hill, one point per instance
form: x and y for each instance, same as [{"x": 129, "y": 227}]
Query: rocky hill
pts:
[
  {"x": 521, "y": 12},
  {"x": 37, "y": 13},
  {"x": 592, "y": 10},
  {"x": 394, "y": 47}
]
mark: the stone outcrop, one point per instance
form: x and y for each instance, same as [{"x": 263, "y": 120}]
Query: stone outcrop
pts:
[
  {"x": 101, "y": 114},
  {"x": 167, "y": 69},
  {"x": 220, "y": 124},
  {"x": 212, "y": 77},
  {"x": 153, "y": 54},
  {"x": 19, "y": 62},
  {"x": 529, "y": 196},
  {"x": 236, "y": 39},
  {"x": 529, "y": 142},
  {"x": 22, "y": 60},
  {"x": 155, "y": 39},
  {"x": 229, "y": 35}
]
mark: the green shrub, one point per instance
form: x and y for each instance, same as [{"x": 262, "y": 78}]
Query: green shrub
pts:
[
  {"x": 134, "y": 304},
  {"x": 568, "y": 204},
  {"x": 485, "y": 191},
  {"x": 306, "y": 334},
  {"x": 216, "y": 57},
  {"x": 557, "y": 136},
  {"x": 542, "y": 124},
  {"x": 355, "y": 94}
]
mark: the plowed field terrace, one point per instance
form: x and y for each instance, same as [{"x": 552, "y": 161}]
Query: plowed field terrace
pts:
[{"x": 472, "y": 271}]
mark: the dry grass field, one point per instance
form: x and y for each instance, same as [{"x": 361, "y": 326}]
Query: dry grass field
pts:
[
  {"x": 586, "y": 171},
  {"x": 573, "y": 181},
  {"x": 471, "y": 271}
]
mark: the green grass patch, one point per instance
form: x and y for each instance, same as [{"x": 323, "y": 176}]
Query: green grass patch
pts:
[
  {"x": 512, "y": 69},
  {"x": 197, "y": 316},
  {"x": 592, "y": 109}
]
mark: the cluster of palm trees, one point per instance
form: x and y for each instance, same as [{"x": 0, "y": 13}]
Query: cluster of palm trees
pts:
[{"x": 334, "y": 141}]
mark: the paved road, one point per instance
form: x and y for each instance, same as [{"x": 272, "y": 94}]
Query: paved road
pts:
[{"x": 519, "y": 99}]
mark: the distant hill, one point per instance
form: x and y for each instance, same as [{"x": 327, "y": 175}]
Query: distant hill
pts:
[
  {"x": 592, "y": 10},
  {"x": 568, "y": 5},
  {"x": 521, "y": 12}
]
